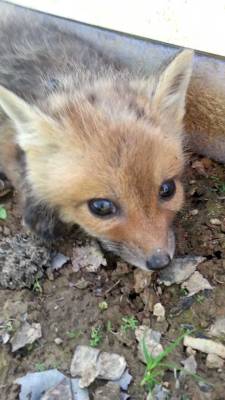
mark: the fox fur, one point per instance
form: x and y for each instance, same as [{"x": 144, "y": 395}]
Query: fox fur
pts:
[{"x": 75, "y": 125}]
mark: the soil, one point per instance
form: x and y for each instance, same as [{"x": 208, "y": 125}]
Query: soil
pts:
[{"x": 69, "y": 313}]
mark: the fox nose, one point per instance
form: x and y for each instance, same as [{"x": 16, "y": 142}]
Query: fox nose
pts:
[{"x": 158, "y": 261}]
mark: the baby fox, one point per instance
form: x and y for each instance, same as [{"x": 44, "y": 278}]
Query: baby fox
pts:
[{"x": 86, "y": 142}]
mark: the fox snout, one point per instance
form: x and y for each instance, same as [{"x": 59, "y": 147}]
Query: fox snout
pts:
[{"x": 150, "y": 259}]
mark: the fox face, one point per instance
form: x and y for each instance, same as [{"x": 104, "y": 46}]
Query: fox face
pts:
[{"x": 109, "y": 157}]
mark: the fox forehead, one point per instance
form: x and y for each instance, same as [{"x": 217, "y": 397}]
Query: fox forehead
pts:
[{"x": 114, "y": 159}]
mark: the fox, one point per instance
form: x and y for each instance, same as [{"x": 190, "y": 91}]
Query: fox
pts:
[{"x": 86, "y": 141}]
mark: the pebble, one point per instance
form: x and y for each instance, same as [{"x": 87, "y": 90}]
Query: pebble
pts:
[
  {"x": 218, "y": 328},
  {"x": 196, "y": 283},
  {"x": 205, "y": 345},
  {"x": 215, "y": 221},
  {"x": 214, "y": 361},
  {"x": 111, "y": 391},
  {"x": 179, "y": 270},
  {"x": 152, "y": 341},
  {"x": 89, "y": 363},
  {"x": 28, "y": 334},
  {"x": 190, "y": 365},
  {"x": 142, "y": 280},
  {"x": 58, "y": 341},
  {"x": 190, "y": 351},
  {"x": 194, "y": 212},
  {"x": 58, "y": 261},
  {"x": 159, "y": 312}
]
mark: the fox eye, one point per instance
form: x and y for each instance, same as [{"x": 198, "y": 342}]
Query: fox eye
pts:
[
  {"x": 102, "y": 207},
  {"x": 167, "y": 189}
]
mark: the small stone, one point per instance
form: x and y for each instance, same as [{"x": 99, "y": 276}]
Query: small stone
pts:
[
  {"x": 58, "y": 341},
  {"x": 214, "y": 361},
  {"x": 151, "y": 339},
  {"x": 142, "y": 280},
  {"x": 58, "y": 261},
  {"x": 190, "y": 351},
  {"x": 196, "y": 283},
  {"x": 215, "y": 221},
  {"x": 190, "y": 365},
  {"x": 6, "y": 231},
  {"x": 84, "y": 364},
  {"x": 194, "y": 212},
  {"x": 81, "y": 284},
  {"x": 205, "y": 345},
  {"x": 111, "y": 391},
  {"x": 159, "y": 312},
  {"x": 179, "y": 270},
  {"x": 110, "y": 366},
  {"x": 218, "y": 328},
  {"x": 89, "y": 257},
  {"x": 28, "y": 334},
  {"x": 89, "y": 363}
]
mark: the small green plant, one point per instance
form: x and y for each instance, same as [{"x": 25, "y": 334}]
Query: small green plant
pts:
[
  {"x": 129, "y": 323},
  {"x": 37, "y": 286},
  {"x": 9, "y": 327},
  {"x": 40, "y": 367},
  {"x": 103, "y": 305},
  {"x": 96, "y": 337},
  {"x": 109, "y": 327},
  {"x": 183, "y": 291},
  {"x": 200, "y": 298},
  {"x": 3, "y": 213},
  {"x": 156, "y": 367},
  {"x": 73, "y": 334}
]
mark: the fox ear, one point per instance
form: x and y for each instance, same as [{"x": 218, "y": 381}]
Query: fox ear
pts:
[
  {"x": 29, "y": 121},
  {"x": 169, "y": 96}
]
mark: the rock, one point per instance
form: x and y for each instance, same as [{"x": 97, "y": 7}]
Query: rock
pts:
[
  {"x": 214, "y": 361},
  {"x": 196, "y": 283},
  {"x": 23, "y": 258},
  {"x": 84, "y": 364},
  {"x": 89, "y": 363},
  {"x": 28, "y": 334},
  {"x": 142, "y": 280},
  {"x": 81, "y": 284},
  {"x": 151, "y": 339},
  {"x": 149, "y": 298},
  {"x": 67, "y": 389},
  {"x": 124, "y": 380},
  {"x": 110, "y": 366},
  {"x": 190, "y": 351},
  {"x": 58, "y": 261},
  {"x": 190, "y": 365},
  {"x": 53, "y": 384},
  {"x": 61, "y": 391},
  {"x": 89, "y": 257},
  {"x": 179, "y": 270},
  {"x": 58, "y": 341},
  {"x": 111, "y": 391},
  {"x": 158, "y": 393},
  {"x": 218, "y": 328},
  {"x": 159, "y": 312},
  {"x": 205, "y": 345},
  {"x": 194, "y": 212},
  {"x": 215, "y": 221}
]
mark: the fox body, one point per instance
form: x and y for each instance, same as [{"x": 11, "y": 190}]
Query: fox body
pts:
[{"x": 86, "y": 141}]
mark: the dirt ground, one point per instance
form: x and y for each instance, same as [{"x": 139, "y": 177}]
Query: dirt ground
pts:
[{"x": 69, "y": 313}]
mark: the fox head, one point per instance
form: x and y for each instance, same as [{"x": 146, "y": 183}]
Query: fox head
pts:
[{"x": 109, "y": 157}]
